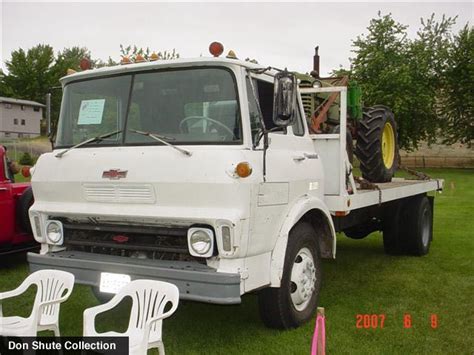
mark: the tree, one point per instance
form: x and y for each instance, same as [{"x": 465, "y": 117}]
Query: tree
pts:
[
  {"x": 29, "y": 73},
  {"x": 404, "y": 74},
  {"x": 456, "y": 98}
]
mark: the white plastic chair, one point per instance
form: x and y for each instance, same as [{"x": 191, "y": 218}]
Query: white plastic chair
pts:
[
  {"x": 146, "y": 319},
  {"x": 51, "y": 287}
]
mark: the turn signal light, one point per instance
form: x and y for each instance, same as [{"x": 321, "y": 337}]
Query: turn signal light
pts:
[
  {"x": 216, "y": 49},
  {"x": 243, "y": 169},
  {"x": 231, "y": 55},
  {"x": 139, "y": 58},
  {"x": 85, "y": 64}
]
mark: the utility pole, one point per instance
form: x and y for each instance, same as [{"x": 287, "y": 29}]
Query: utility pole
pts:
[{"x": 48, "y": 112}]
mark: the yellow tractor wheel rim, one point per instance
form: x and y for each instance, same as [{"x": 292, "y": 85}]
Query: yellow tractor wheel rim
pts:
[{"x": 388, "y": 145}]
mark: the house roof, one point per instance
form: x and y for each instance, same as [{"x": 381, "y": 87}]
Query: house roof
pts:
[{"x": 11, "y": 100}]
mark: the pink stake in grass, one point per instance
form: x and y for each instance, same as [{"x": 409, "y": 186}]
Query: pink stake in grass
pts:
[{"x": 318, "y": 346}]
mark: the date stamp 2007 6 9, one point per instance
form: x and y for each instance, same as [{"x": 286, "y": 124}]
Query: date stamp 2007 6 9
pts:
[{"x": 377, "y": 321}]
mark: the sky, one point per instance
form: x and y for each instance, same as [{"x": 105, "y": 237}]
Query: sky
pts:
[{"x": 274, "y": 33}]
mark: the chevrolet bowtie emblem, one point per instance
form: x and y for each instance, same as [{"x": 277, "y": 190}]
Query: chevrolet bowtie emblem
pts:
[{"x": 114, "y": 174}]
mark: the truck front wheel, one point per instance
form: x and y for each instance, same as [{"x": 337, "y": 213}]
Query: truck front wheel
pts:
[{"x": 296, "y": 300}]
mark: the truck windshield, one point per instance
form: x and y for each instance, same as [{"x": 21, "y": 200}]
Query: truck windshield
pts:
[{"x": 188, "y": 106}]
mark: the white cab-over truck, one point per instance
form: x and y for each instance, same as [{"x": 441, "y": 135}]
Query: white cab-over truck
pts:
[{"x": 202, "y": 172}]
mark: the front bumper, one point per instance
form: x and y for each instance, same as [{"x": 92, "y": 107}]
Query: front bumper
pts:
[{"x": 196, "y": 282}]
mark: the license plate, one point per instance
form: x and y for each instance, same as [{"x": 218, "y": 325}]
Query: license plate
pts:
[{"x": 112, "y": 283}]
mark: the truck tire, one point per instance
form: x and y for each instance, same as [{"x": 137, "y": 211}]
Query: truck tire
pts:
[
  {"x": 377, "y": 146},
  {"x": 418, "y": 225},
  {"x": 392, "y": 231},
  {"x": 296, "y": 300},
  {"x": 101, "y": 296},
  {"x": 24, "y": 203}
]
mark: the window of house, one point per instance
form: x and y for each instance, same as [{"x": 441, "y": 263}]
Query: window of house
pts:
[
  {"x": 9, "y": 106},
  {"x": 23, "y": 122},
  {"x": 15, "y": 121},
  {"x": 22, "y": 107},
  {"x": 36, "y": 109},
  {"x": 7, "y": 134}
]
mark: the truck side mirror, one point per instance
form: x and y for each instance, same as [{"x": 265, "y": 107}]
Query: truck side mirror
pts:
[{"x": 284, "y": 99}]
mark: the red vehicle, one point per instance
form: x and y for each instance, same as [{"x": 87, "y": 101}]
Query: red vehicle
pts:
[{"x": 15, "y": 201}]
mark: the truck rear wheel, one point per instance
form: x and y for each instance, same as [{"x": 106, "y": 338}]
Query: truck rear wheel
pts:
[
  {"x": 418, "y": 225},
  {"x": 408, "y": 226},
  {"x": 392, "y": 229},
  {"x": 377, "y": 146},
  {"x": 296, "y": 300}
]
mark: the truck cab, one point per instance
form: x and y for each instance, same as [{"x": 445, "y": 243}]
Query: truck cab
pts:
[{"x": 182, "y": 171}]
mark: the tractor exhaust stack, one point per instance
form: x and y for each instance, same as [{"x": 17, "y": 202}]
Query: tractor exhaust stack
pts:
[{"x": 315, "y": 72}]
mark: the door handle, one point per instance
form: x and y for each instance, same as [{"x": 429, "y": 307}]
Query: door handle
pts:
[
  {"x": 311, "y": 155},
  {"x": 3, "y": 189},
  {"x": 299, "y": 158}
]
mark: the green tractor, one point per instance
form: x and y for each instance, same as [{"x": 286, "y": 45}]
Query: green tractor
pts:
[{"x": 373, "y": 128}]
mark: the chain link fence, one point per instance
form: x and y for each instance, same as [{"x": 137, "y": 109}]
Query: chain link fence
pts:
[{"x": 34, "y": 147}]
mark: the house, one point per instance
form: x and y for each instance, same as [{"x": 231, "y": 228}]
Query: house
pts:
[{"x": 20, "y": 118}]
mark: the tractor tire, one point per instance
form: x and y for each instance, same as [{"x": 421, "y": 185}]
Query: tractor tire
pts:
[
  {"x": 296, "y": 300},
  {"x": 377, "y": 146},
  {"x": 24, "y": 203},
  {"x": 349, "y": 143},
  {"x": 418, "y": 225}
]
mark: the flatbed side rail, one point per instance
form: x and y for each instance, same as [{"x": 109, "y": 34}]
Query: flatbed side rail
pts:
[{"x": 397, "y": 189}]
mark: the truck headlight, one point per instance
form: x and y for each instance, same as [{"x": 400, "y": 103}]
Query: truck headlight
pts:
[
  {"x": 201, "y": 242},
  {"x": 54, "y": 232}
]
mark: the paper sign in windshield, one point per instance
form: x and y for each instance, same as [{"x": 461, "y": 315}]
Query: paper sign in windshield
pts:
[{"x": 91, "y": 111}]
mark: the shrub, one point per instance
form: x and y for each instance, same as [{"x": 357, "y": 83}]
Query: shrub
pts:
[{"x": 26, "y": 159}]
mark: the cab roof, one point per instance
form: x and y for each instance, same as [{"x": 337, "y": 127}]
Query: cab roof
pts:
[{"x": 159, "y": 64}]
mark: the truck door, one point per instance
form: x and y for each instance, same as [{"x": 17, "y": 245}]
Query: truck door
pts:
[{"x": 291, "y": 168}]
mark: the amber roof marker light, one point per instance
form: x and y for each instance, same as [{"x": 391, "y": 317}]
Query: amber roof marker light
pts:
[
  {"x": 216, "y": 49},
  {"x": 85, "y": 64}
]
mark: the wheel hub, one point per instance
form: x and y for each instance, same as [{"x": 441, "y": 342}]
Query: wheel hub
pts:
[
  {"x": 303, "y": 279},
  {"x": 388, "y": 145}
]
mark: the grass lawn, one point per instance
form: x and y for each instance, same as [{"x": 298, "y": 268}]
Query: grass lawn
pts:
[{"x": 362, "y": 280}]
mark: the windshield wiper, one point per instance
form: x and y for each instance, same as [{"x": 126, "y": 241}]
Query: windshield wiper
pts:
[
  {"x": 162, "y": 139},
  {"x": 90, "y": 140}
]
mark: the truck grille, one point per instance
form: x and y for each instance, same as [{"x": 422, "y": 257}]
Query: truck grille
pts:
[
  {"x": 143, "y": 242},
  {"x": 120, "y": 193}
]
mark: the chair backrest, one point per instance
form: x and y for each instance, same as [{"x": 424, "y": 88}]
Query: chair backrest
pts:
[
  {"x": 52, "y": 285},
  {"x": 150, "y": 298}
]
